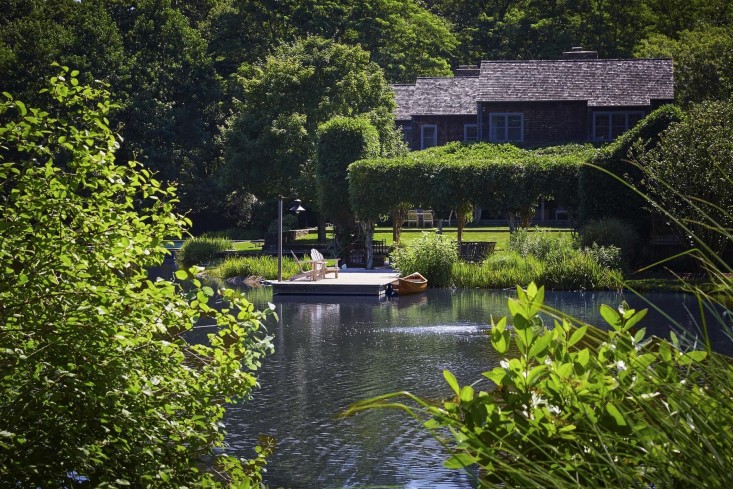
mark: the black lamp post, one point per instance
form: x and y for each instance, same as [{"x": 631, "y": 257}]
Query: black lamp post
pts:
[{"x": 297, "y": 208}]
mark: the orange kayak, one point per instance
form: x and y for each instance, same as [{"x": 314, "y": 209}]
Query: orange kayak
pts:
[{"x": 411, "y": 284}]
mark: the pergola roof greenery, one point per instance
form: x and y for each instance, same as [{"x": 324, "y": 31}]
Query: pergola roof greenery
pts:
[{"x": 501, "y": 178}]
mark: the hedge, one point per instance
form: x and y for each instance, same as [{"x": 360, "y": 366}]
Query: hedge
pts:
[
  {"x": 601, "y": 195},
  {"x": 501, "y": 178}
]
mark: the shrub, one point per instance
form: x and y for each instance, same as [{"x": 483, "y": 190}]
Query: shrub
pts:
[
  {"x": 606, "y": 256},
  {"x": 578, "y": 270},
  {"x": 201, "y": 250},
  {"x": 500, "y": 270},
  {"x": 290, "y": 222},
  {"x": 430, "y": 254},
  {"x": 614, "y": 233},
  {"x": 688, "y": 173},
  {"x": 97, "y": 379},
  {"x": 546, "y": 245},
  {"x": 601, "y": 195}
]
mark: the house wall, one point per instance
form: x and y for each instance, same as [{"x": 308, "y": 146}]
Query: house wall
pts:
[
  {"x": 450, "y": 127},
  {"x": 544, "y": 122}
]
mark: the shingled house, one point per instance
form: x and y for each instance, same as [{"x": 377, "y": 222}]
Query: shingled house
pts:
[{"x": 579, "y": 98}]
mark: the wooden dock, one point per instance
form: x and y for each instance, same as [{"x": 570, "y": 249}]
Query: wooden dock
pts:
[{"x": 349, "y": 282}]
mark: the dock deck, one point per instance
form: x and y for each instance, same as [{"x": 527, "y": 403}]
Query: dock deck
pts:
[{"x": 349, "y": 282}]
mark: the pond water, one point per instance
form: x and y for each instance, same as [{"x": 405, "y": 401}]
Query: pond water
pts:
[{"x": 333, "y": 351}]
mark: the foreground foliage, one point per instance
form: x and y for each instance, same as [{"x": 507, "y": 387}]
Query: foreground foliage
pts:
[
  {"x": 574, "y": 406},
  {"x": 97, "y": 382}
]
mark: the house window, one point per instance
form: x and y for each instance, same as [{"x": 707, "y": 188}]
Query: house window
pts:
[
  {"x": 607, "y": 126},
  {"x": 470, "y": 132},
  {"x": 428, "y": 136},
  {"x": 506, "y": 127}
]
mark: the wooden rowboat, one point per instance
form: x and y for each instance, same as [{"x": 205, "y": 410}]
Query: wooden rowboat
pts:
[{"x": 411, "y": 284}]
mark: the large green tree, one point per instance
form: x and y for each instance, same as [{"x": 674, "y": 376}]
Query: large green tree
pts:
[
  {"x": 405, "y": 39},
  {"x": 97, "y": 382},
  {"x": 703, "y": 61},
  {"x": 688, "y": 174},
  {"x": 270, "y": 143}
]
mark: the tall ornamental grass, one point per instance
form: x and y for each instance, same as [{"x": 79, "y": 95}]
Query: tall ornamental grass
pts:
[
  {"x": 253, "y": 266},
  {"x": 500, "y": 270},
  {"x": 201, "y": 250}
]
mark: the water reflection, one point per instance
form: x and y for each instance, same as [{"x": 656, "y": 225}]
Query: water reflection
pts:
[{"x": 333, "y": 351}]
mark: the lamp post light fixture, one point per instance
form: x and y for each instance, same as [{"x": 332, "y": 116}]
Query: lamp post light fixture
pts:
[{"x": 295, "y": 207}]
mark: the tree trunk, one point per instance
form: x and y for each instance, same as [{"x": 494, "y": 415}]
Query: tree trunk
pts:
[
  {"x": 368, "y": 228},
  {"x": 321, "y": 229},
  {"x": 461, "y": 218},
  {"x": 512, "y": 221}
]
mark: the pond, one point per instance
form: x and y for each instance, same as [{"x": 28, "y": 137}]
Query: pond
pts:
[{"x": 333, "y": 351}]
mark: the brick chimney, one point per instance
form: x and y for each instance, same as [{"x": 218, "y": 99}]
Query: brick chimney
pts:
[
  {"x": 466, "y": 70},
  {"x": 577, "y": 52}
]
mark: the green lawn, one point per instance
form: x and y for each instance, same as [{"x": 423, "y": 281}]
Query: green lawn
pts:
[{"x": 498, "y": 234}]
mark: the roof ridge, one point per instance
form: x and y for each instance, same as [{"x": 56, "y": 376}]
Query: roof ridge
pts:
[{"x": 604, "y": 60}]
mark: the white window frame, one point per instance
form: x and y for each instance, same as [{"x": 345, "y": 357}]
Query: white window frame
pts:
[
  {"x": 422, "y": 135},
  {"x": 608, "y": 114},
  {"x": 466, "y": 127},
  {"x": 506, "y": 116}
]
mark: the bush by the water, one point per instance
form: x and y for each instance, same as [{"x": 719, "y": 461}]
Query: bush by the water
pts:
[
  {"x": 611, "y": 232},
  {"x": 253, "y": 266},
  {"x": 566, "y": 265},
  {"x": 545, "y": 245},
  {"x": 430, "y": 254},
  {"x": 500, "y": 270},
  {"x": 579, "y": 270},
  {"x": 201, "y": 250}
]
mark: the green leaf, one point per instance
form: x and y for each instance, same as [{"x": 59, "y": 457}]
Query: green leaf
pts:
[
  {"x": 497, "y": 375},
  {"x": 577, "y": 335},
  {"x": 583, "y": 357},
  {"x": 693, "y": 357},
  {"x": 611, "y": 316},
  {"x": 540, "y": 346},
  {"x": 452, "y": 381},
  {"x": 616, "y": 414},
  {"x": 21, "y": 107},
  {"x": 459, "y": 461},
  {"x": 500, "y": 337},
  {"x": 466, "y": 393},
  {"x": 181, "y": 274},
  {"x": 635, "y": 318}
]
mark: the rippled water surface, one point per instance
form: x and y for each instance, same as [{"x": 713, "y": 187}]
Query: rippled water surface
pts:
[{"x": 331, "y": 352}]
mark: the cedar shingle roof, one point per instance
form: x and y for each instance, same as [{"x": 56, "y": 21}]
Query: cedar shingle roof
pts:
[
  {"x": 437, "y": 96},
  {"x": 602, "y": 82}
]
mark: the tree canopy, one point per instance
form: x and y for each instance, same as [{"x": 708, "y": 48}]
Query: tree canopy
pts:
[{"x": 270, "y": 142}]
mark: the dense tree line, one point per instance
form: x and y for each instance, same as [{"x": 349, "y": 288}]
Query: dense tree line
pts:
[{"x": 185, "y": 75}]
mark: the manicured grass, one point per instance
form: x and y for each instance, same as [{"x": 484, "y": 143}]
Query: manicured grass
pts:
[
  {"x": 500, "y": 235},
  {"x": 246, "y": 246}
]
